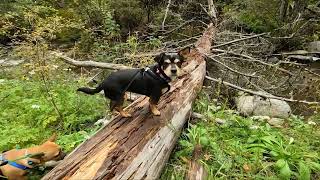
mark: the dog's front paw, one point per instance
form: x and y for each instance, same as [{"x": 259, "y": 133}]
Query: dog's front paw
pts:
[
  {"x": 126, "y": 114},
  {"x": 156, "y": 112}
]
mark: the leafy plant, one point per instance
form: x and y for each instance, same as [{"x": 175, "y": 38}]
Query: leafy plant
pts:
[{"x": 244, "y": 149}]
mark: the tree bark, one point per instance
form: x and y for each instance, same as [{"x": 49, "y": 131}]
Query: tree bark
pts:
[
  {"x": 138, "y": 147},
  {"x": 212, "y": 11}
]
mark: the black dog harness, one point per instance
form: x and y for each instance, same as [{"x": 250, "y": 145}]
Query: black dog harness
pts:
[{"x": 159, "y": 75}]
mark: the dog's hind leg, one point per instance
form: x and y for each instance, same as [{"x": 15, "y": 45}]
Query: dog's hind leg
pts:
[
  {"x": 118, "y": 105},
  {"x": 153, "y": 107}
]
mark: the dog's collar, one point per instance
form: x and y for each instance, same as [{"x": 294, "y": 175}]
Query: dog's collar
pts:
[
  {"x": 159, "y": 74},
  {"x": 162, "y": 75}
]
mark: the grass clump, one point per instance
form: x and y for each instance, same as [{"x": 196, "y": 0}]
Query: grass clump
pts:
[{"x": 242, "y": 148}]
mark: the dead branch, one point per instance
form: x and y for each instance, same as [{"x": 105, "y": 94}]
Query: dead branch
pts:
[
  {"x": 211, "y": 17},
  {"x": 166, "y": 14},
  {"x": 304, "y": 58},
  {"x": 229, "y": 68},
  {"x": 90, "y": 63},
  {"x": 249, "y": 58},
  {"x": 180, "y": 26},
  {"x": 212, "y": 11},
  {"x": 295, "y": 53},
  {"x": 196, "y": 170},
  {"x": 311, "y": 72},
  {"x": 197, "y": 115},
  {"x": 238, "y": 40},
  {"x": 289, "y": 62},
  {"x": 93, "y": 78},
  {"x": 260, "y": 94}
]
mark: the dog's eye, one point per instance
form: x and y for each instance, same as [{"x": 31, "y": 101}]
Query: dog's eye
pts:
[{"x": 179, "y": 63}]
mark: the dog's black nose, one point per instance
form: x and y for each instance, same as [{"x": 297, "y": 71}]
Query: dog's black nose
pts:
[{"x": 174, "y": 71}]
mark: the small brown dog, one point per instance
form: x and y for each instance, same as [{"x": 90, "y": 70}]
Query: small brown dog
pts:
[{"x": 17, "y": 170}]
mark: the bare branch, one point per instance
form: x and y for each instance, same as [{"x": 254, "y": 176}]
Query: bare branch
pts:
[
  {"x": 295, "y": 53},
  {"x": 260, "y": 94},
  {"x": 233, "y": 70},
  {"x": 180, "y": 26},
  {"x": 90, "y": 63},
  {"x": 252, "y": 60},
  {"x": 238, "y": 40},
  {"x": 212, "y": 11},
  {"x": 166, "y": 14},
  {"x": 304, "y": 58},
  {"x": 311, "y": 72}
]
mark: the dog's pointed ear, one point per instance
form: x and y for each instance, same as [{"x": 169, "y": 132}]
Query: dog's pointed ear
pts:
[
  {"x": 159, "y": 58},
  {"x": 53, "y": 138},
  {"x": 184, "y": 52}
]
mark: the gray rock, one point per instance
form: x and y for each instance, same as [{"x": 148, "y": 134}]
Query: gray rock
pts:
[
  {"x": 260, "y": 118},
  {"x": 257, "y": 106},
  {"x": 253, "y": 127},
  {"x": 7, "y": 63},
  {"x": 273, "y": 60},
  {"x": 277, "y": 122},
  {"x": 314, "y": 46},
  {"x": 220, "y": 121}
]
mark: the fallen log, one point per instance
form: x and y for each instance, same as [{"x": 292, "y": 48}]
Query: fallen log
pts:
[{"x": 138, "y": 147}]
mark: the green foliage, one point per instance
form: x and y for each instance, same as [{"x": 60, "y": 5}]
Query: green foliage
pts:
[
  {"x": 82, "y": 23},
  {"x": 28, "y": 116},
  {"x": 244, "y": 149},
  {"x": 264, "y": 16},
  {"x": 259, "y": 16}
]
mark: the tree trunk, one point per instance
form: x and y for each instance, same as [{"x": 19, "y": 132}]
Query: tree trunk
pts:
[{"x": 138, "y": 147}]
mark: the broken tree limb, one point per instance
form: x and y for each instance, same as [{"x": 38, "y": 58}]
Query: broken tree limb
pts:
[
  {"x": 166, "y": 14},
  {"x": 238, "y": 40},
  {"x": 304, "y": 58},
  {"x": 212, "y": 11},
  {"x": 90, "y": 63},
  {"x": 196, "y": 170},
  {"x": 138, "y": 147},
  {"x": 261, "y": 94},
  {"x": 233, "y": 70},
  {"x": 251, "y": 59},
  {"x": 299, "y": 52}
]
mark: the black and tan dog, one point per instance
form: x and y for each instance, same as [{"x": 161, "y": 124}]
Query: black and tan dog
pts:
[{"x": 149, "y": 81}]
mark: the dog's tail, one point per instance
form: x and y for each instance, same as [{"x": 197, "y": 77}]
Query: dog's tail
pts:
[{"x": 89, "y": 90}]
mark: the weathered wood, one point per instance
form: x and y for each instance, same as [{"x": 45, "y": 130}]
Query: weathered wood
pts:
[
  {"x": 304, "y": 58},
  {"x": 138, "y": 147},
  {"x": 89, "y": 63},
  {"x": 196, "y": 170}
]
